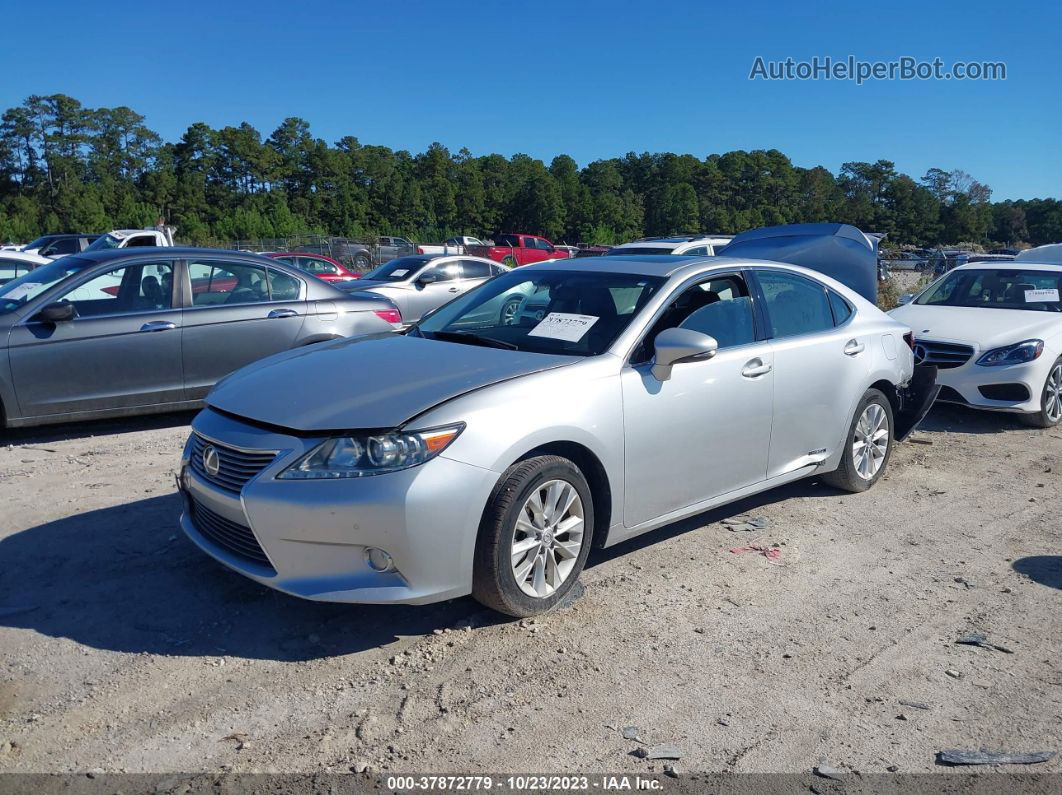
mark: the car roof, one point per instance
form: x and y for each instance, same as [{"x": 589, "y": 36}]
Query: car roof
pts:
[
  {"x": 666, "y": 265},
  {"x": 23, "y": 256},
  {"x": 1009, "y": 265},
  {"x": 173, "y": 252}
]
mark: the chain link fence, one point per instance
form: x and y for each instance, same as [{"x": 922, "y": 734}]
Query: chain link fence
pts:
[{"x": 359, "y": 256}]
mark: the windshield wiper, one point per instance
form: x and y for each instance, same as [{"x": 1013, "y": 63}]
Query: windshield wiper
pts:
[{"x": 475, "y": 339}]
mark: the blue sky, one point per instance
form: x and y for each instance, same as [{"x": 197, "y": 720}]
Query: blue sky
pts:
[{"x": 591, "y": 79}]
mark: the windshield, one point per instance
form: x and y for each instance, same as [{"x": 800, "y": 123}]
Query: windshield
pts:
[
  {"x": 543, "y": 311},
  {"x": 397, "y": 270},
  {"x": 40, "y": 241},
  {"x": 105, "y": 242},
  {"x": 25, "y": 288},
  {"x": 997, "y": 289}
]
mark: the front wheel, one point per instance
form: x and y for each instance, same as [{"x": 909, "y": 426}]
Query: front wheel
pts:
[
  {"x": 1050, "y": 412},
  {"x": 509, "y": 312},
  {"x": 534, "y": 537},
  {"x": 509, "y": 262},
  {"x": 868, "y": 445}
]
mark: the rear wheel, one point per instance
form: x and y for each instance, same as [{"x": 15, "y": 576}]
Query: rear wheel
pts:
[
  {"x": 868, "y": 445},
  {"x": 534, "y": 537},
  {"x": 509, "y": 311},
  {"x": 1050, "y": 412},
  {"x": 509, "y": 261},
  {"x": 362, "y": 261}
]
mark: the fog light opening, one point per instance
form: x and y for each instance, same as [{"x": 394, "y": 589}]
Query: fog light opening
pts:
[{"x": 379, "y": 560}]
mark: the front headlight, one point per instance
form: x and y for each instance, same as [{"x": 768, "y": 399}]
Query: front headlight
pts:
[
  {"x": 362, "y": 456},
  {"x": 1012, "y": 354}
]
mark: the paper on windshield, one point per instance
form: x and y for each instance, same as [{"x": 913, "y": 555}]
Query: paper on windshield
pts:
[
  {"x": 22, "y": 291},
  {"x": 1036, "y": 296},
  {"x": 563, "y": 326},
  {"x": 400, "y": 272}
]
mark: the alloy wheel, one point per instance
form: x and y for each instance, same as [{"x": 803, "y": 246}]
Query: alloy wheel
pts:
[
  {"x": 871, "y": 441},
  {"x": 509, "y": 312},
  {"x": 547, "y": 538},
  {"x": 1053, "y": 394}
]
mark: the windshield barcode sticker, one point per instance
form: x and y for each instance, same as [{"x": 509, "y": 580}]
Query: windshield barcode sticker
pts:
[
  {"x": 1038, "y": 296},
  {"x": 563, "y": 326},
  {"x": 400, "y": 273}
]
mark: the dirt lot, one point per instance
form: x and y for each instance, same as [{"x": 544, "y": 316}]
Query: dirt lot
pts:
[{"x": 124, "y": 648}]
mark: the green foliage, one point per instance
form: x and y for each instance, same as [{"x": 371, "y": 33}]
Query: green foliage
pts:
[{"x": 65, "y": 167}]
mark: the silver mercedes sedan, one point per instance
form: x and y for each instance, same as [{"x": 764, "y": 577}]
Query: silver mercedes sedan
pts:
[{"x": 486, "y": 453}]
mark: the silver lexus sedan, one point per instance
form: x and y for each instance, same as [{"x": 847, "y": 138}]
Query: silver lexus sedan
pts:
[
  {"x": 143, "y": 330},
  {"x": 486, "y": 454}
]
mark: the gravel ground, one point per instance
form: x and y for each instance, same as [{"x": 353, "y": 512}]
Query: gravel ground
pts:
[{"x": 122, "y": 648}]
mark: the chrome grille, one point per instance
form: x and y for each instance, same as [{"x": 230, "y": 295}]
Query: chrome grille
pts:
[
  {"x": 233, "y": 536},
  {"x": 943, "y": 354},
  {"x": 235, "y": 467}
]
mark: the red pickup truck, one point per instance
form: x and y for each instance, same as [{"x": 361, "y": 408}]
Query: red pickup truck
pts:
[{"x": 514, "y": 250}]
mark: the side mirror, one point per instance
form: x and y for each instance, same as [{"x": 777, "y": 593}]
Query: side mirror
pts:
[
  {"x": 426, "y": 279},
  {"x": 674, "y": 345},
  {"x": 906, "y": 298},
  {"x": 59, "y": 312}
]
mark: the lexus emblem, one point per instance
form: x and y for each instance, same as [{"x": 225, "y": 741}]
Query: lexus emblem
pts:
[
  {"x": 211, "y": 462},
  {"x": 919, "y": 354}
]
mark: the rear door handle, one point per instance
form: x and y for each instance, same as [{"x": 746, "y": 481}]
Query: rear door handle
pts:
[
  {"x": 756, "y": 368},
  {"x": 158, "y": 325},
  {"x": 854, "y": 348},
  {"x": 282, "y": 313}
]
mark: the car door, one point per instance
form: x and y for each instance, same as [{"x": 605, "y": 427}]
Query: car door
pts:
[
  {"x": 420, "y": 299},
  {"x": 706, "y": 430},
  {"x": 123, "y": 349},
  {"x": 820, "y": 369},
  {"x": 473, "y": 274},
  {"x": 238, "y": 312}
]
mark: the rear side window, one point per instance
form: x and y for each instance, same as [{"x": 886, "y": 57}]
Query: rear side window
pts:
[
  {"x": 795, "y": 305},
  {"x": 473, "y": 269},
  {"x": 842, "y": 310}
]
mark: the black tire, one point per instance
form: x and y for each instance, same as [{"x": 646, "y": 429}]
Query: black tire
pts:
[
  {"x": 509, "y": 261},
  {"x": 847, "y": 476},
  {"x": 510, "y": 307},
  {"x": 362, "y": 261},
  {"x": 1042, "y": 418},
  {"x": 494, "y": 582}
]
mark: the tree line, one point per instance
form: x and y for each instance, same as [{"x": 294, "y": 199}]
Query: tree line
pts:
[{"x": 66, "y": 167}]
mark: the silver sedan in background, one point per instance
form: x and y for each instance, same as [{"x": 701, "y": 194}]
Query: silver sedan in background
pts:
[
  {"x": 420, "y": 283},
  {"x": 486, "y": 455},
  {"x": 144, "y": 330}
]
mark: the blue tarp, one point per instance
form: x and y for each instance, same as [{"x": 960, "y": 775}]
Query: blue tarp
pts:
[{"x": 840, "y": 251}]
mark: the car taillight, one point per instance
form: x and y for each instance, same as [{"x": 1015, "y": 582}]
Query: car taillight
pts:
[
  {"x": 390, "y": 315},
  {"x": 909, "y": 339}
]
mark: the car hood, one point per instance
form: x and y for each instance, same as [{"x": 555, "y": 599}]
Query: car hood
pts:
[
  {"x": 985, "y": 328},
  {"x": 372, "y": 382}
]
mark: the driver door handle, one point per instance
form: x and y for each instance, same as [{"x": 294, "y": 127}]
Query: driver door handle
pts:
[
  {"x": 158, "y": 325},
  {"x": 755, "y": 368},
  {"x": 282, "y": 313},
  {"x": 854, "y": 348}
]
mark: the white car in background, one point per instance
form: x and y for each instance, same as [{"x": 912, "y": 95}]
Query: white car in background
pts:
[
  {"x": 677, "y": 245},
  {"x": 994, "y": 331},
  {"x": 17, "y": 263}
]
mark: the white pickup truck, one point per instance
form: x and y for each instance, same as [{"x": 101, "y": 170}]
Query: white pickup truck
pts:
[
  {"x": 455, "y": 245},
  {"x": 128, "y": 238}
]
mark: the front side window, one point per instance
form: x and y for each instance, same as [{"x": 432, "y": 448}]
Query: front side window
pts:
[
  {"x": 795, "y": 305},
  {"x": 215, "y": 283},
  {"x": 544, "y": 311},
  {"x": 317, "y": 266},
  {"x": 719, "y": 307},
  {"x": 146, "y": 287},
  {"x": 1003, "y": 288},
  {"x": 451, "y": 271},
  {"x": 62, "y": 247}
]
